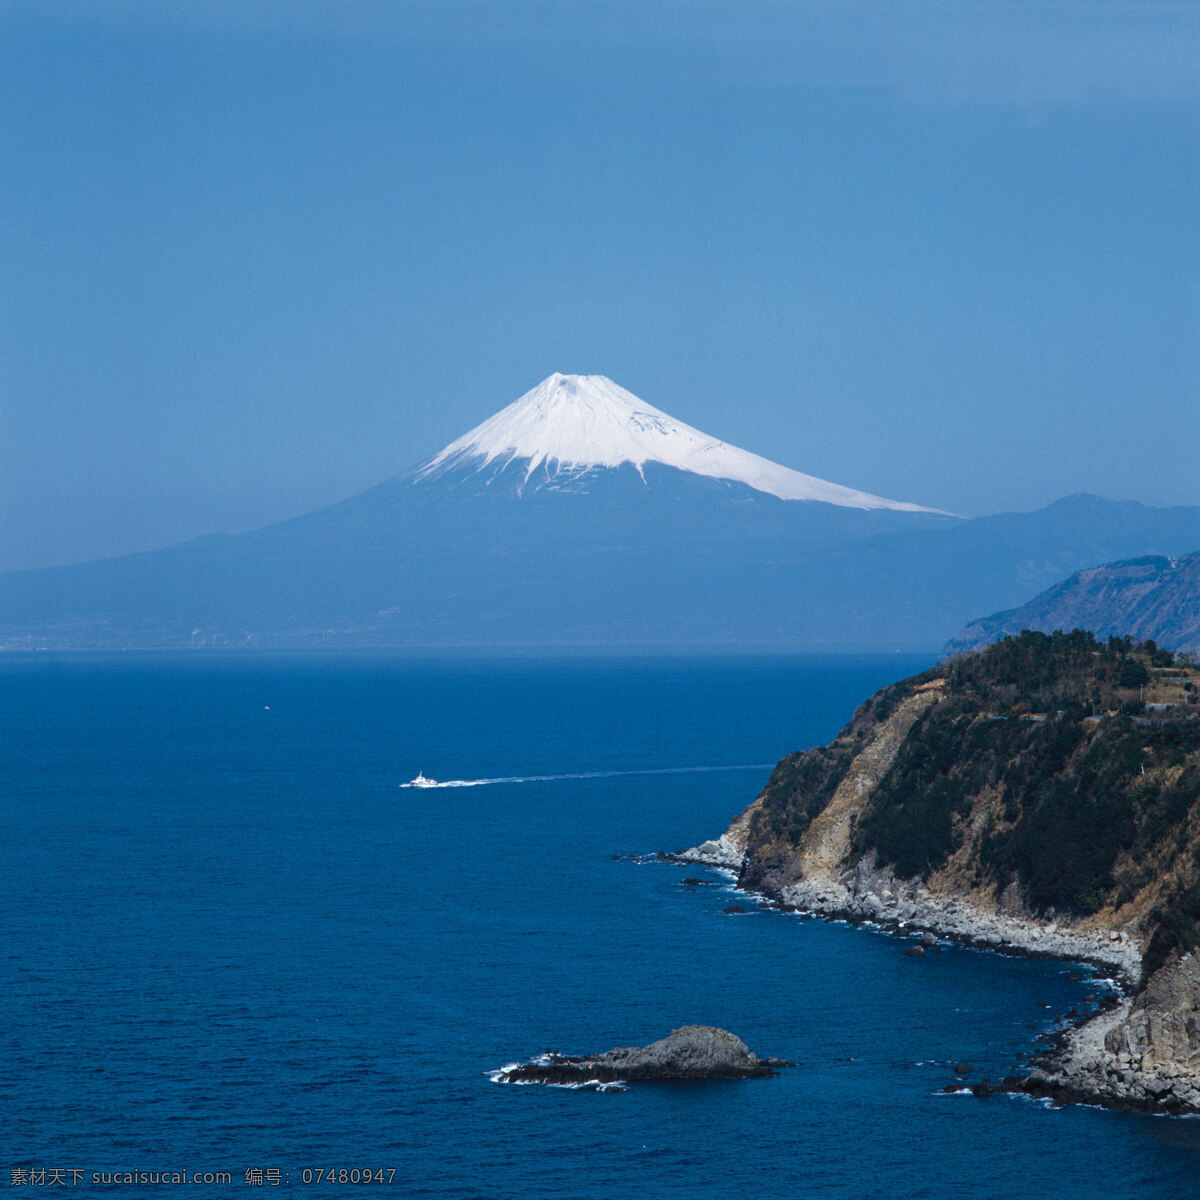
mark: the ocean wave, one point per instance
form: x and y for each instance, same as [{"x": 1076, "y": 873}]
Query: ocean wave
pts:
[
  {"x": 593, "y": 1085},
  {"x": 583, "y": 1085}
]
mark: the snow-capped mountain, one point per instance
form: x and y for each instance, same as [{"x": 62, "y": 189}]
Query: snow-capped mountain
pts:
[
  {"x": 581, "y": 516},
  {"x": 570, "y": 425}
]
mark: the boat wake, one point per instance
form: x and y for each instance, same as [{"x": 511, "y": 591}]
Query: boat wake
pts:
[{"x": 421, "y": 782}]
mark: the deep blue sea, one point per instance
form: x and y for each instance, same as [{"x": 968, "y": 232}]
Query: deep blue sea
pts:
[{"x": 232, "y": 943}]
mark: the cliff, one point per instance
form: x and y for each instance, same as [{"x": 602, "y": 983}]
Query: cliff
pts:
[
  {"x": 1144, "y": 1055},
  {"x": 1041, "y": 796}
]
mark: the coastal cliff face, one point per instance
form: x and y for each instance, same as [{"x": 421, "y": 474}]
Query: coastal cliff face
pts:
[
  {"x": 1145, "y": 1054},
  {"x": 1019, "y": 799}
]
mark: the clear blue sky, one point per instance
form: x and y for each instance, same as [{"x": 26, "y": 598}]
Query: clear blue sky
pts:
[{"x": 257, "y": 256}]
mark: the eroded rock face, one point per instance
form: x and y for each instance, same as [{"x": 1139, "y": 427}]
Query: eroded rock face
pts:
[
  {"x": 1143, "y": 1055},
  {"x": 692, "y": 1052},
  {"x": 1164, "y": 1021}
]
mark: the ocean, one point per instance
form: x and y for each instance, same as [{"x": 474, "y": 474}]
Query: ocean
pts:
[{"x": 233, "y": 944}]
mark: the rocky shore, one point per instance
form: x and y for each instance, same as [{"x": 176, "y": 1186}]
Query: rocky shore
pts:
[
  {"x": 691, "y": 1052},
  {"x": 867, "y": 893},
  {"x": 1142, "y": 1055}
]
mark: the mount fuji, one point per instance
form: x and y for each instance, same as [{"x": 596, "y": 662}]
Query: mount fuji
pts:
[
  {"x": 580, "y": 516},
  {"x": 570, "y": 427}
]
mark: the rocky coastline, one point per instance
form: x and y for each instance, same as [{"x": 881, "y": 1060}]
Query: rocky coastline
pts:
[
  {"x": 1141, "y": 1054},
  {"x": 869, "y": 894},
  {"x": 807, "y": 845}
]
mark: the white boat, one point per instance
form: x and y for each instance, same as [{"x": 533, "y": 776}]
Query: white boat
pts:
[{"x": 421, "y": 781}]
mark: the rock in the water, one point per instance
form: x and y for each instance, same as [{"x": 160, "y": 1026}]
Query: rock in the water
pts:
[
  {"x": 734, "y": 909},
  {"x": 692, "y": 1052},
  {"x": 915, "y": 952}
]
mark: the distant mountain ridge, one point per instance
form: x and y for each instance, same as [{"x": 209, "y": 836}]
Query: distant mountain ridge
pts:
[
  {"x": 1149, "y": 598},
  {"x": 567, "y": 521}
]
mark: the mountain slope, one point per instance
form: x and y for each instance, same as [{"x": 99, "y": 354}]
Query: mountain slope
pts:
[
  {"x": 467, "y": 561},
  {"x": 916, "y": 579},
  {"x": 1152, "y": 598}
]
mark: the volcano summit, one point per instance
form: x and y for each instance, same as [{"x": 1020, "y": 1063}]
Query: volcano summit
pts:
[
  {"x": 582, "y": 516},
  {"x": 569, "y": 426}
]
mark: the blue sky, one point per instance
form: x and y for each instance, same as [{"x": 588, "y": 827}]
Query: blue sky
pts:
[{"x": 258, "y": 256}]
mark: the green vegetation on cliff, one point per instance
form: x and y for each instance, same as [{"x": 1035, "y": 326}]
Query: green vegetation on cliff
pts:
[{"x": 1033, "y": 769}]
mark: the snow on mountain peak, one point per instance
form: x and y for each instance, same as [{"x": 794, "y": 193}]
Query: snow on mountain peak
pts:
[{"x": 571, "y": 424}]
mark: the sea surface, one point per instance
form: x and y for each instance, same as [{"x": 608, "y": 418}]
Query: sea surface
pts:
[{"x": 232, "y": 942}]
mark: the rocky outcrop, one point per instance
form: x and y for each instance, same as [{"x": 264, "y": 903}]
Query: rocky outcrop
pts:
[
  {"x": 729, "y": 850},
  {"x": 1143, "y": 1055},
  {"x": 691, "y": 1052}
]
